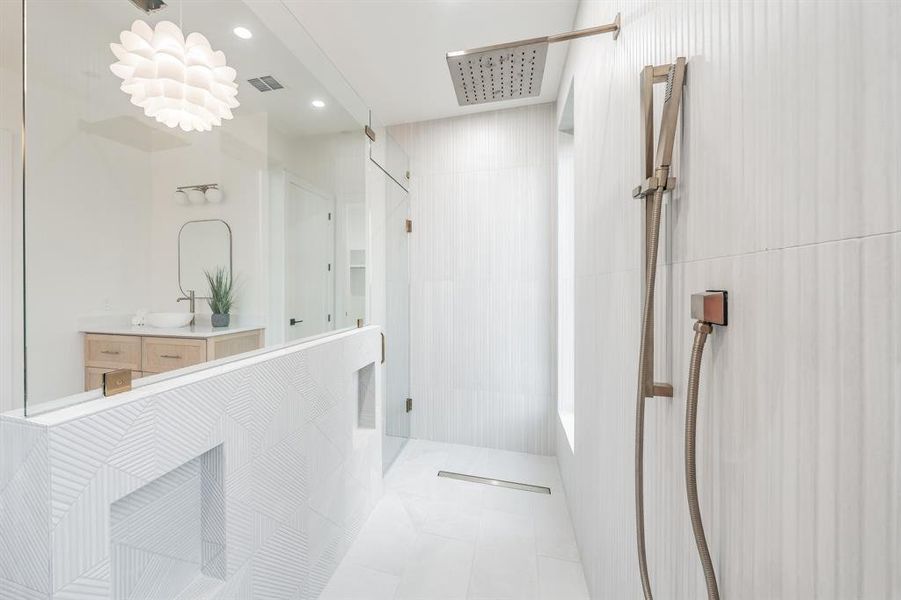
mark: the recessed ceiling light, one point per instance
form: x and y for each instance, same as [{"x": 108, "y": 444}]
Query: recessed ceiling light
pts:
[
  {"x": 318, "y": 104},
  {"x": 243, "y": 33}
]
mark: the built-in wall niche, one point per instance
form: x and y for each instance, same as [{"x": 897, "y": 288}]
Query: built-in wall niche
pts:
[
  {"x": 169, "y": 535},
  {"x": 365, "y": 379},
  {"x": 357, "y": 260}
]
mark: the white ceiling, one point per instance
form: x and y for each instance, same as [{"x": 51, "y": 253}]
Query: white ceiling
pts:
[
  {"x": 84, "y": 66},
  {"x": 393, "y": 51}
]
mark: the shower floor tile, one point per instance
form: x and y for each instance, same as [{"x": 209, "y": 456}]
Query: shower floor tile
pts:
[{"x": 432, "y": 538}]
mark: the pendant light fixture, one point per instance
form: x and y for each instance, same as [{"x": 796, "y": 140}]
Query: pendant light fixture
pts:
[{"x": 177, "y": 81}]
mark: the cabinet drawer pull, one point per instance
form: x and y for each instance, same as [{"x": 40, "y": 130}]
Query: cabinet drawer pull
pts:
[
  {"x": 113, "y": 352},
  {"x": 170, "y": 356}
]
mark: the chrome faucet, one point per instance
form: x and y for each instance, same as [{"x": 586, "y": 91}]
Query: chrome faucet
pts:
[{"x": 191, "y": 298}]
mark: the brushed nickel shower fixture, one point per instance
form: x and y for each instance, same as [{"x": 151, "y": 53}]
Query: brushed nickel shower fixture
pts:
[
  {"x": 509, "y": 71},
  {"x": 709, "y": 308},
  {"x": 657, "y": 181}
]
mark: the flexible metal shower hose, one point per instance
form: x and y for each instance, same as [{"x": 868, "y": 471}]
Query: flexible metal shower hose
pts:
[
  {"x": 643, "y": 372},
  {"x": 691, "y": 482}
]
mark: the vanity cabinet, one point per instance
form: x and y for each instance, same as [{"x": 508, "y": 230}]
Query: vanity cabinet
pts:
[
  {"x": 112, "y": 352},
  {"x": 147, "y": 355},
  {"x": 167, "y": 354}
]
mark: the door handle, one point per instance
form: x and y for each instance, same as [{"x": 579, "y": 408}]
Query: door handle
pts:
[{"x": 295, "y": 321}]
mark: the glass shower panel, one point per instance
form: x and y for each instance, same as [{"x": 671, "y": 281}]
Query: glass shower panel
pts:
[
  {"x": 388, "y": 154},
  {"x": 398, "y": 403}
]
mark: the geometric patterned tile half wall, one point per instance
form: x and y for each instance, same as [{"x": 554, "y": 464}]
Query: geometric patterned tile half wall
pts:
[{"x": 250, "y": 480}]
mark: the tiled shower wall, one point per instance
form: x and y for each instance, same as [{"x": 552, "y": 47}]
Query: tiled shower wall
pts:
[
  {"x": 482, "y": 302},
  {"x": 788, "y": 197},
  {"x": 248, "y": 480}
]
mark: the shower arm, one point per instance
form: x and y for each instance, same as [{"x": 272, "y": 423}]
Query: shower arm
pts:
[{"x": 613, "y": 28}]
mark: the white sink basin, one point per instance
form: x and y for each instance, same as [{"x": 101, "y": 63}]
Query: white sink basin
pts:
[{"x": 168, "y": 320}]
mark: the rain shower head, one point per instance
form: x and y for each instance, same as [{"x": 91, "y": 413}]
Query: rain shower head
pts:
[{"x": 508, "y": 71}]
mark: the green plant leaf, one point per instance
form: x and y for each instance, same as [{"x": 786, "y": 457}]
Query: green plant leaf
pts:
[{"x": 222, "y": 290}]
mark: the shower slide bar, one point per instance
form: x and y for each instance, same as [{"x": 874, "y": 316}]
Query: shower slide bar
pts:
[{"x": 656, "y": 182}]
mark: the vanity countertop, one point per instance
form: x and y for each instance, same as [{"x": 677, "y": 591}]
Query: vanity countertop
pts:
[{"x": 203, "y": 331}]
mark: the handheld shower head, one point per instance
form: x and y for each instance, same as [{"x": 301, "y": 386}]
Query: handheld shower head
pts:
[
  {"x": 508, "y": 71},
  {"x": 672, "y": 100}
]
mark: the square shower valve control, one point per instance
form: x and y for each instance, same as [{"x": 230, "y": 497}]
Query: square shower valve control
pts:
[{"x": 711, "y": 307}]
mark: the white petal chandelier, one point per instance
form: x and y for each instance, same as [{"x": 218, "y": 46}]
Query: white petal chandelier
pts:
[{"x": 179, "y": 82}]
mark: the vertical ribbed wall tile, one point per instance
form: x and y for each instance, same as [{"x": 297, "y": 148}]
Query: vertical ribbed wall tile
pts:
[
  {"x": 482, "y": 312},
  {"x": 788, "y": 165}
]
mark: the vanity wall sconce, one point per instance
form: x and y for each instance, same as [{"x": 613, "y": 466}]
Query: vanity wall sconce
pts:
[{"x": 198, "y": 194}]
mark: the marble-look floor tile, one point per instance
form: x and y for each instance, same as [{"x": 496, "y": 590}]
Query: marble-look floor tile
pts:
[
  {"x": 351, "y": 582},
  {"x": 560, "y": 580},
  {"x": 445, "y": 538},
  {"x": 452, "y": 519},
  {"x": 438, "y": 570},
  {"x": 386, "y": 540},
  {"x": 506, "y": 562}
]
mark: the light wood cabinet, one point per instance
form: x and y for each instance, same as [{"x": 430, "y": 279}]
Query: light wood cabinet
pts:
[
  {"x": 167, "y": 354},
  {"x": 112, "y": 352},
  {"x": 233, "y": 343},
  {"x": 148, "y": 355}
]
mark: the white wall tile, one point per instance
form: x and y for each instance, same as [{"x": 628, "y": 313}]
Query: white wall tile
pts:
[
  {"x": 787, "y": 171},
  {"x": 483, "y": 195},
  {"x": 286, "y": 501}
]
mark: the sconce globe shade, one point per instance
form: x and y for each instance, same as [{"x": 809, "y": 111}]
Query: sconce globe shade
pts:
[
  {"x": 180, "y": 197},
  {"x": 177, "y": 81},
  {"x": 213, "y": 195},
  {"x": 196, "y": 196}
]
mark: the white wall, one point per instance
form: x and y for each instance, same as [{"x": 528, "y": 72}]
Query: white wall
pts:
[
  {"x": 335, "y": 164},
  {"x": 87, "y": 232},
  {"x": 236, "y": 157},
  {"x": 11, "y": 331},
  {"x": 566, "y": 318},
  {"x": 787, "y": 197},
  {"x": 482, "y": 248}
]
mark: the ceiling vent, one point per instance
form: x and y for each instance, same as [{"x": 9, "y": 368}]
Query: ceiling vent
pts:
[
  {"x": 149, "y": 6},
  {"x": 266, "y": 83}
]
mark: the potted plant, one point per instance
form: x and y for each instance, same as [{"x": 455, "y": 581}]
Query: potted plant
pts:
[{"x": 222, "y": 295}]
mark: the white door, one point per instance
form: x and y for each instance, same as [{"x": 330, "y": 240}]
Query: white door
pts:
[{"x": 309, "y": 262}]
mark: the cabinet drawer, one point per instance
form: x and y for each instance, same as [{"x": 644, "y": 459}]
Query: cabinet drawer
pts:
[
  {"x": 112, "y": 351},
  {"x": 93, "y": 377},
  {"x": 168, "y": 354}
]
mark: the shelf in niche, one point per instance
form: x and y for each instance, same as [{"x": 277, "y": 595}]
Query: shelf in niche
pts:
[{"x": 168, "y": 537}]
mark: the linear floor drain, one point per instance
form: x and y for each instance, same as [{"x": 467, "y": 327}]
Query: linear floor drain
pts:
[{"x": 526, "y": 487}]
